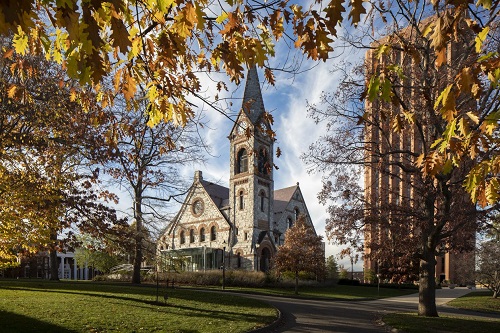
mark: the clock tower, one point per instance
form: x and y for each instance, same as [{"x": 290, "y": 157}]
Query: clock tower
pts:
[{"x": 251, "y": 183}]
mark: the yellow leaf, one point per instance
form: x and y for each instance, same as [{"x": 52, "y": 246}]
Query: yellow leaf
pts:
[
  {"x": 480, "y": 38},
  {"x": 222, "y": 17},
  {"x": 12, "y": 91},
  {"x": 20, "y": 41},
  {"x": 473, "y": 117}
]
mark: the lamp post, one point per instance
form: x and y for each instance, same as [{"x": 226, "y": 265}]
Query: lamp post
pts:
[{"x": 224, "y": 266}]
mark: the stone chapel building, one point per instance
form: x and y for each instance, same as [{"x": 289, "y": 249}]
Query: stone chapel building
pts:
[{"x": 243, "y": 225}]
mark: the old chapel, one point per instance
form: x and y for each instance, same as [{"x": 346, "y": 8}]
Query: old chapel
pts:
[{"x": 242, "y": 226}]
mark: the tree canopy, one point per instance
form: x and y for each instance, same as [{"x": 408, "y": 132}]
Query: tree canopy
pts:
[
  {"x": 160, "y": 46},
  {"x": 48, "y": 144},
  {"x": 302, "y": 251}
]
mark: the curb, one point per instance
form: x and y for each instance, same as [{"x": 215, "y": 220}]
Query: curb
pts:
[{"x": 271, "y": 326}]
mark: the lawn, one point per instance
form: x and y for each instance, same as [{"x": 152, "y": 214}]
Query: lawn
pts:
[
  {"x": 340, "y": 292},
  {"x": 44, "y": 306},
  {"x": 477, "y": 301},
  {"x": 412, "y": 323}
]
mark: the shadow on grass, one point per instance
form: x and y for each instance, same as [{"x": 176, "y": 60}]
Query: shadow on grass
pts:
[
  {"x": 15, "y": 323},
  {"x": 99, "y": 290},
  {"x": 412, "y": 323},
  {"x": 170, "y": 306}
]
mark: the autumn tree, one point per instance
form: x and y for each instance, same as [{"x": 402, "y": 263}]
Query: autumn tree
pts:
[
  {"x": 488, "y": 273},
  {"x": 147, "y": 162},
  {"x": 395, "y": 131},
  {"x": 302, "y": 251},
  {"x": 163, "y": 45},
  {"x": 48, "y": 144}
]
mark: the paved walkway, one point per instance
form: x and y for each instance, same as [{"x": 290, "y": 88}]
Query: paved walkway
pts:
[{"x": 314, "y": 316}]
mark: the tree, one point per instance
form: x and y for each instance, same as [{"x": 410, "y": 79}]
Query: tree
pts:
[
  {"x": 146, "y": 164},
  {"x": 48, "y": 144},
  {"x": 332, "y": 269},
  {"x": 302, "y": 251},
  {"x": 97, "y": 254},
  {"x": 398, "y": 139},
  {"x": 488, "y": 273}
]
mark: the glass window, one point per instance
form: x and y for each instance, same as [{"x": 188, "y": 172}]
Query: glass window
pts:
[
  {"x": 289, "y": 222},
  {"x": 262, "y": 200},
  {"x": 242, "y": 201},
  {"x": 191, "y": 236},
  {"x": 213, "y": 233},
  {"x": 263, "y": 162},
  {"x": 202, "y": 234},
  {"x": 242, "y": 161},
  {"x": 296, "y": 210},
  {"x": 183, "y": 237}
]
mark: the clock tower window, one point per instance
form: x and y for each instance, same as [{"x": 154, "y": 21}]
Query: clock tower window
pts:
[{"x": 242, "y": 161}]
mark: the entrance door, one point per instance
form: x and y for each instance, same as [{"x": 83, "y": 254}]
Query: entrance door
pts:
[{"x": 265, "y": 257}]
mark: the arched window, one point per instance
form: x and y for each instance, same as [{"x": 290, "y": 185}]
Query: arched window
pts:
[
  {"x": 191, "y": 236},
  {"x": 296, "y": 212},
  {"x": 242, "y": 200},
  {"x": 213, "y": 233},
  {"x": 289, "y": 222},
  {"x": 202, "y": 234},
  {"x": 263, "y": 162},
  {"x": 182, "y": 237},
  {"x": 238, "y": 260},
  {"x": 242, "y": 161},
  {"x": 262, "y": 196}
]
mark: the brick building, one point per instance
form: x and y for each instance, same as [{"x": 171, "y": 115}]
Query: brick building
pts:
[
  {"x": 395, "y": 193},
  {"x": 245, "y": 223}
]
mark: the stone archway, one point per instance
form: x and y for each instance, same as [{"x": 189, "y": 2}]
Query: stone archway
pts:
[{"x": 265, "y": 258}]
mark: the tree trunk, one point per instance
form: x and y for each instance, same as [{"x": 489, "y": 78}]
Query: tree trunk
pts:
[
  {"x": 427, "y": 287},
  {"x": 54, "y": 264},
  {"x": 296, "y": 282},
  {"x": 136, "y": 276}
]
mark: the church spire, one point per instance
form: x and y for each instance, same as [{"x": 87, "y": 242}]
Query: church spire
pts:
[{"x": 253, "y": 103}]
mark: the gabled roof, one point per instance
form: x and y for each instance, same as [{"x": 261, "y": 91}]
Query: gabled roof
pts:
[
  {"x": 281, "y": 199},
  {"x": 253, "y": 104},
  {"x": 218, "y": 193}
]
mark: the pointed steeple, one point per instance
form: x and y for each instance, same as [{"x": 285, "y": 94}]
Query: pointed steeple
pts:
[{"x": 253, "y": 104}]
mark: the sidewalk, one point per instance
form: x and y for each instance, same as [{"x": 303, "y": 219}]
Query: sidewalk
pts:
[{"x": 443, "y": 296}]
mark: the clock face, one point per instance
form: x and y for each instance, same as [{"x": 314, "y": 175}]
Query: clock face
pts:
[
  {"x": 198, "y": 207},
  {"x": 242, "y": 127}
]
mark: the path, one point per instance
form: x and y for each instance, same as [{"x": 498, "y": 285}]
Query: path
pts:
[{"x": 314, "y": 316}]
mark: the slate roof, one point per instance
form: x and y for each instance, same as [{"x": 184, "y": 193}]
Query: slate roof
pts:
[
  {"x": 281, "y": 199},
  {"x": 253, "y": 95},
  {"x": 218, "y": 193}
]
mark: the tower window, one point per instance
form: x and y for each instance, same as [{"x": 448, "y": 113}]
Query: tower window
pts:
[
  {"x": 202, "y": 234},
  {"x": 242, "y": 161},
  {"x": 262, "y": 196},
  {"x": 241, "y": 200},
  {"x": 213, "y": 233},
  {"x": 263, "y": 162},
  {"x": 191, "y": 236},
  {"x": 182, "y": 237}
]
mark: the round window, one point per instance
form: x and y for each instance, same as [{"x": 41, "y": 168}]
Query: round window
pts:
[{"x": 198, "y": 207}]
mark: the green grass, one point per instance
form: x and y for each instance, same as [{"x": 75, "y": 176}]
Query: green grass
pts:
[
  {"x": 333, "y": 292},
  {"x": 44, "y": 306},
  {"x": 412, "y": 323},
  {"x": 477, "y": 301}
]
